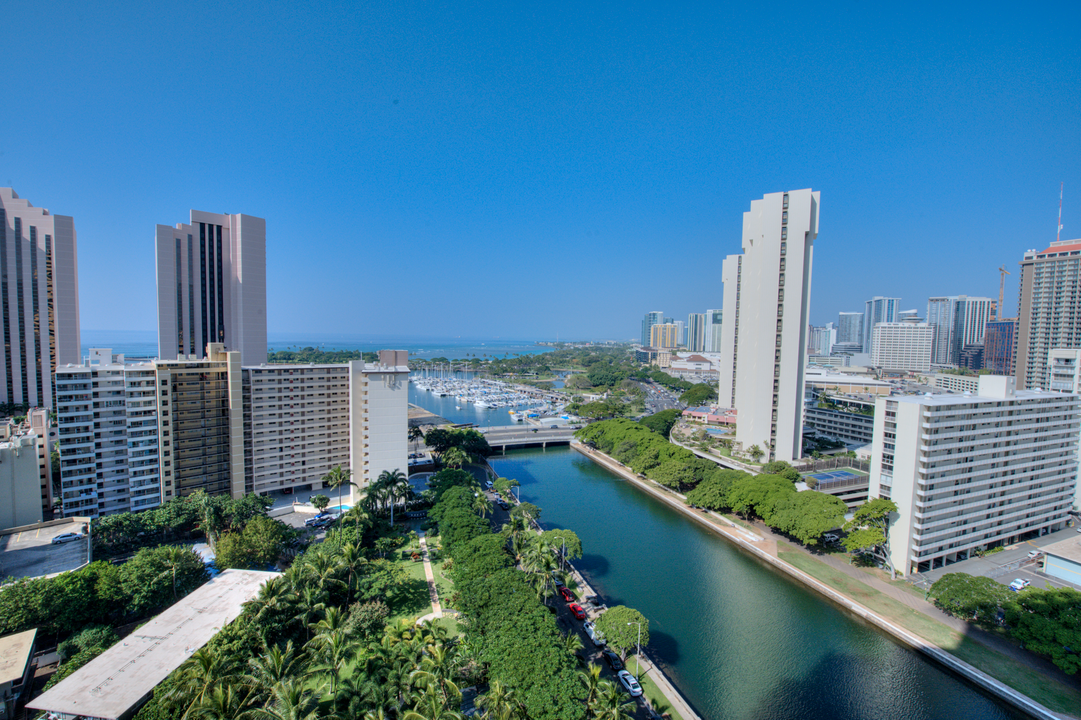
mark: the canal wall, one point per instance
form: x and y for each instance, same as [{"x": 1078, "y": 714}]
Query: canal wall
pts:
[{"x": 759, "y": 547}]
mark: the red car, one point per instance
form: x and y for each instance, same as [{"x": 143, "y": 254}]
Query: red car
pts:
[
  {"x": 567, "y": 594},
  {"x": 577, "y": 611}
]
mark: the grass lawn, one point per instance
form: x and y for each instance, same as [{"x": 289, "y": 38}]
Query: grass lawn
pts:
[
  {"x": 443, "y": 585},
  {"x": 412, "y": 601},
  {"x": 649, "y": 688},
  {"x": 1039, "y": 687}
]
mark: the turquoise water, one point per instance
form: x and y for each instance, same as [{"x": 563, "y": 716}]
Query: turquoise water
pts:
[{"x": 739, "y": 639}]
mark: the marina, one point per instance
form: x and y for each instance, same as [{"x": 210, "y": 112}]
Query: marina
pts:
[{"x": 457, "y": 396}]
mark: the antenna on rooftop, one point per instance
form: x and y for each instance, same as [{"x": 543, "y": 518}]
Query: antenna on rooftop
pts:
[{"x": 1058, "y": 233}]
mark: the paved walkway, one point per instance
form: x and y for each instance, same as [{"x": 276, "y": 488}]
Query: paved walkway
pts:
[{"x": 433, "y": 593}]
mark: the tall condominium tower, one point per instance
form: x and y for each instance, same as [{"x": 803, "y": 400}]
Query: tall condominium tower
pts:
[
  {"x": 767, "y": 292},
  {"x": 1048, "y": 307},
  {"x": 959, "y": 321},
  {"x": 39, "y": 299},
  {"x": 664, "y": 335},
  {"x": 212, "y": 286},
  {"x": 696, "y": 332},
  {"x": 850, "y": 328},
  {"x": 878, "y": 310},
  {"x": 652, "y": 318},
  {"x": 712, "y": 338}
]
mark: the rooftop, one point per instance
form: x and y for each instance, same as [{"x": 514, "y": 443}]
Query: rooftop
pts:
[
  {"x": 1069, "y": 549},
  {"x": 118, "y": 680},
  {"x": 15, "y": 653}
]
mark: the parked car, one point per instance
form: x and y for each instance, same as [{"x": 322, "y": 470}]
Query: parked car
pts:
[
  {"x": 577, "y": 611},
  {"x": 555, "y": 578},
  {"x": 630, "y": 683},
  {"x": 1035, "y": 555},
  {"x": 1019, "y": 584},
  {"x": 830, "y": 537},
  {"x": 66, "y": 538},
  {"x": 594, "y": 634},
  {"x": 567, "y": 594},
  {"x": 314, "y": 521},
  {"x": 613, "y": 660}
]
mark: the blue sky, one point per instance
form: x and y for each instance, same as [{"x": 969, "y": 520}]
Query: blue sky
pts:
[{"x": 531, "y": 169}]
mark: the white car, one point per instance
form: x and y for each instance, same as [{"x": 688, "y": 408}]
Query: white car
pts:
[
  {"x": 66, "y": 538},
  {"x": 1019, "y": 584},
  {"x": 594, "y": 634},
  {"x": 630, "y": 683}
]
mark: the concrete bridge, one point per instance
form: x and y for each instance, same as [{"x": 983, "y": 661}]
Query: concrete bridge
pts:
[{"x": 521, "y": 436}]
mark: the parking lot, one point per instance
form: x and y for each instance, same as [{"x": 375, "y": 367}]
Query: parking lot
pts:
[{"x": 30, "y": 553}]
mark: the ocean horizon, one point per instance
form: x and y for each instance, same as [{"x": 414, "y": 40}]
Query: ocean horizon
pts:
[{"x": 144, "y": 344}]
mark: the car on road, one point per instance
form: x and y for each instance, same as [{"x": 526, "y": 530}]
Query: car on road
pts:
[
  {"x": 1035, "y": 555},
  {"x": 613, "y": 660},
  {"x": 577, "y": 611},
  {"x": 313, "y": 521},
  {"x": 555, "y": 427},
  {"x": 1019, "y": 584},
  {"x": 628, "y": 681},
  {"x": 66, "y": 538},
  {"x": 594, "y": 634},
  {"x": 502, "y": 504},
  {"x": 567, "y": 594}
]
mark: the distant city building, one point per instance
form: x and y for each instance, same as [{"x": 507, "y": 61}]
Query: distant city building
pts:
[
  {"x": 878, "y": 310},
  {"x": 652, "y": 318},
  {"x": 902, "y": 346},
  {"x": 696, "y": 332},
  {"x": 909, "y": 316},
  {"x": 1047, "y": 316},
  {"x": 971, "y": 357},
  {"x": 1064, "y": 370},
  {"x": 850, "y": 330},
  {"x": 764, "y": 345},
  {"x": 956, "y": 383},
  {"x": 212, "y": 286},
  {"x": 822, "y": 340},
  {"x": 681, "y": 338},
  {"x": 713, "y": 331},
  {"x": 972, "y": 472},
  {"x": 39, "y": 299},
  {"x": 664, "y": 335},
  {"x": 998, "y": 346}
]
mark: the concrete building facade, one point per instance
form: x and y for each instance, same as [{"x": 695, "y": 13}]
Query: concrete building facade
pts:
[
  {"x": 664, "y": 335},
  {"x": 655, "y": 317},
  {"x": 712, "y": 341},
  {"x": 970, "y": 472},
  {"x": 767, "y": 292},
  {"x": 902, "y": 346},
  {"x": 378, "y": 417},
  {"x": 878, "y": 310},
  {"x": 212, "y": 286},
  {"x": 39, "y": 299},
  {"x": 1049, "y": 309},
  {"x": 850, "y": 329}
]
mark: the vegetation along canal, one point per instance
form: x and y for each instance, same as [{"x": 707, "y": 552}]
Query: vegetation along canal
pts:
[{"x": 740, "y": 640}]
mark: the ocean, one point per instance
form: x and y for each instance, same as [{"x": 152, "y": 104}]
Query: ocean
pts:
[{"x": 143, "y": 344}]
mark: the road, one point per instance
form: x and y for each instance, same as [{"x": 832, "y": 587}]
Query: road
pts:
[
  {"x": 659, "y": 398},
  {"x": 525, "y": 433},
  {"x": 568, "y": 623}
]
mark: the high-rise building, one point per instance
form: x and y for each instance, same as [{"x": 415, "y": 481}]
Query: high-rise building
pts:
[
  {"x": 767, "y": 293},
  {"x": 664, "y": 335},
  {"x": 1048, "y": 314},
  {"x": 201, "y": 424},
  {"x": 696, "y": 332},
  {"x": 39, "y": 299},
  {"x": 712, "y": 338},
  {"x": 941, "y": 315},
  {"x": 108, "y": 430},
  {"x": 378, "y": 416},
  {"x": 822, "y": 340},
  {"x": 878, "y": 310},
  {"x": 902, "y": 346},
  {"x": 652, "y": 318},
  {"x": 212, "y": 286},
  {"x": 972, "y": 472},
  {"x": 850, "y": 328},
  {"x": 998, "y": 345},
  {"x": 681, "y": 333}
]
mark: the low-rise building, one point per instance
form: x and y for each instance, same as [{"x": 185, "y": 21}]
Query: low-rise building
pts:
[
  {"x": 955, "y": 383},
  {"x": 844, "y": 383},
  {"x": 1063, "y": 560},
  {"x": 970, "y": 472},
  {"x": 848, "y": 418},
  {"x": 16, "y": 656},
  {"x": 20, "y": 481}
]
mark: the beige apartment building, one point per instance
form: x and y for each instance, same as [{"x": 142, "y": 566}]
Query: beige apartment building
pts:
[{"x": 1049, "y": 309}]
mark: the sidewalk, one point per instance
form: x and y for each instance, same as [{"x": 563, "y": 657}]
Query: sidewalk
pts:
[{"x": 437, "y": 609}]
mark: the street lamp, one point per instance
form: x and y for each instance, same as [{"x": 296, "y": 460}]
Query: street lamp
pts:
[
  {"x": 638, "y": 651},
  {"x": 517, "y": 495}
]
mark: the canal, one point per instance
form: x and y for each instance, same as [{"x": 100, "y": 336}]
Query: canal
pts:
[{"x": 740, "y": 640}]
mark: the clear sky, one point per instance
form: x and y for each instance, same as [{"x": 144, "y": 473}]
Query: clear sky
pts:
[{"x": 525, "y": 170}]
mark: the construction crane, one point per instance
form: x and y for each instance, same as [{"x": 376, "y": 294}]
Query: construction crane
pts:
[{"x": 1002, "y": 273}]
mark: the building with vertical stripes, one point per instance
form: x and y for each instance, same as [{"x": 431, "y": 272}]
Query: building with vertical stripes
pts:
[
  {"x": 878, "y": 310},
  {"x": 767, "y": 292},
  {"x": 39, "y": 299},
  {"x": 696, "y": 332},
  {"x": 212, "y": 286},
  {"x": 1049, "y": 309}
]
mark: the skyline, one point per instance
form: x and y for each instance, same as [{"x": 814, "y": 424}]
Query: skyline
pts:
[{"x": 412, "y": 159}]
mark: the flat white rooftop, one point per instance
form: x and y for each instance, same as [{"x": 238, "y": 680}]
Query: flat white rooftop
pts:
[
  {"x": 15, "y": 655},
  {"x": 115, "y": 683}
]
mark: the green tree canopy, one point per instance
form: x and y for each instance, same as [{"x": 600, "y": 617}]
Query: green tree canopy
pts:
[
  {"x": 615, "y": 625},
  {"x": 662, "y": 422},
  {"x": 969, "y": 597},
  {"x": 698, "y": 394},
  {"x": 1048, "y": 622},
  {"x": 807, "y": 515}
]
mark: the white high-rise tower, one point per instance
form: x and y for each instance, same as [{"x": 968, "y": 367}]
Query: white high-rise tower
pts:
[
  {"x": 212, "y": 286},
  {"x": 767, "y": 292}
]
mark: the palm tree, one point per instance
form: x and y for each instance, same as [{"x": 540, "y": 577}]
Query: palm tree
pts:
[
  {"x": 223, "y": 703},
  {"x": 310, "y": 605},
  {"x": 337, "y": 478},
  {"x": 395, "y": 486},
  {"x": 591, "y": 679},
  {"x": 610, "y": 703},
  {"x": 334, "y": 651},
  {"x": 289, "y": 701},
  {"x": 415, "y": 433},
  {"x": 198, "y": 677},
  {"x": 572, "y": 643},
  {"x": 500, "y": 703},
  {"x": 454, "y": 457},
  {"x": 275, "y": 665}
]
